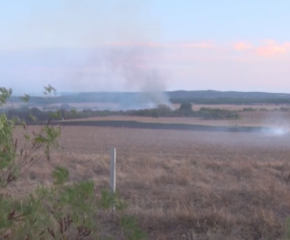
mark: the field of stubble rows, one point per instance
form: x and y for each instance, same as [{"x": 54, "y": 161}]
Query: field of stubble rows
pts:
[{"x": 185, "y": 184}]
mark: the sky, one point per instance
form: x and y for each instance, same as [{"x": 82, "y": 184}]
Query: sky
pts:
[{"x": 145, "y": 45}]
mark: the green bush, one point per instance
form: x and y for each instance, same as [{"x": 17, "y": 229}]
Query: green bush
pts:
[
  {"x": 62, "y": 211},
  {"x": 185, "y": 109},
  {"x": 216, "y": 113},
  {"x": 249, "y": 109},
  {"x": 284, "y": 109}
]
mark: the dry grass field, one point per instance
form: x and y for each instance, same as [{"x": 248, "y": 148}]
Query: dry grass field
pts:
[
  {"x": 184, "y": 184},
  {"x": 116, "y": 106},
  {"x": 236, "y": 107},
  {"x": 195, "y": 107},
  {"x": 278, "y": 119}
]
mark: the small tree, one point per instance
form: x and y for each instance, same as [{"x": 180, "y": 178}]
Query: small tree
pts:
[
  {"x": 185, "y": 108},
  {"x": 164, "y": 110}
]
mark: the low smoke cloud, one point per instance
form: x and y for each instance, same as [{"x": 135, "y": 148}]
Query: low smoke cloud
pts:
[
  {"x": 276, "y": 122},
  {"x": 278, "y": 131}
]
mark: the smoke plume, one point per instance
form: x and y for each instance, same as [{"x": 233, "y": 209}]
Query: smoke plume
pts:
[{"x": 138, "y": 73}]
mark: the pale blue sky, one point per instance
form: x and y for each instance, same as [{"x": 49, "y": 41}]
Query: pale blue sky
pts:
[{"x": 223, "y": 45}]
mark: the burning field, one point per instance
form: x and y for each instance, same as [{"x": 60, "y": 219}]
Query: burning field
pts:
[{"x": 184, "y": 184}]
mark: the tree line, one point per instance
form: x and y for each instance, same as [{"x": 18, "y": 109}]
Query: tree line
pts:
[{"x": 65, "y": 112}]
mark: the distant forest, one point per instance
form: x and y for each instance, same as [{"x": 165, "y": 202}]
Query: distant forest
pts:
[
  {"x": 197, "y": 97},
  {"x": 42, "y": 108}
]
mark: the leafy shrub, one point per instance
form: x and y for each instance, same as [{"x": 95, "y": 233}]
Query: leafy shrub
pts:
[
  {"x": 185, "y": 108},
  {"x": 215, "y": 113},
  {"x": 249, "y": 109},
  {"x": 284, "y": 109},
  {"x": 62, "y": 211}
]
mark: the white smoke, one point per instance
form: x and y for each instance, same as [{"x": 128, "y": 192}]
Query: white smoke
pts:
[
  {"x": 276, "y": 131},
  {"x": 138, "y": 73}
]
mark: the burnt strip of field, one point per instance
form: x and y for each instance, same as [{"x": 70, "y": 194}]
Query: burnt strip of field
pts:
[{"x": 163, "y": 126}]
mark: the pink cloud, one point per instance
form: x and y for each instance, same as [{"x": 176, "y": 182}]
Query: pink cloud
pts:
[
  {"x": 202, "y": 45},
  {"x": 195, "y": 45},
  {"x": 240, "y": 46},
  {"x": 272, "y": 49},
  {"x": 267, "y": 48}
]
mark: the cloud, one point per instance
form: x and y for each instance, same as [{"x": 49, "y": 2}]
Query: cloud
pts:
[
  {"x": 241, "y": 46},
  {"x": 271, "y": 48},
  {"x": 267, "y": 48},
  {"x": 194, "y": 45},
  {"x": 270, "y": 51},
  {"x": 202, "y": 45}
]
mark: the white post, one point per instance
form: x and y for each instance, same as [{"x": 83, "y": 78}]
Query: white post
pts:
[{"x": 113, "y": 170}]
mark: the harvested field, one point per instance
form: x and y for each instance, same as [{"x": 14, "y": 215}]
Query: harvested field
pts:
[
  {"x": 237, "y": 106},
  {"x": 184, "y": 184},
  {"x": 116, "y": 106},
  {"x": 247, "y": 119},
  {"x": 166, "y": 126}
]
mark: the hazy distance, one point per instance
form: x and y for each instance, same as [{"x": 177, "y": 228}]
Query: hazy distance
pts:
[{"x": 126, "y": 45}]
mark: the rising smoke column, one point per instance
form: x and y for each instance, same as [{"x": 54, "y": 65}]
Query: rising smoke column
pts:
[{"x": 132, "y": 63}]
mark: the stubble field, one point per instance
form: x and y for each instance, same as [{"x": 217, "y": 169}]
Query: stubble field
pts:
[
  {"x": 252, "y": 119},
  {"x": 184, "y": 184}
]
